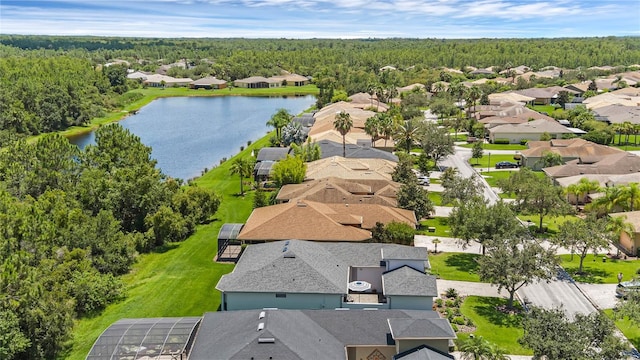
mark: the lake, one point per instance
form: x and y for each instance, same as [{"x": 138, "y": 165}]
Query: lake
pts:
[{"x": 189, "y": 134}]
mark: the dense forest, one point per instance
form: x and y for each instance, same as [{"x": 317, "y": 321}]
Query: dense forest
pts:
[{"x": 72, "y": 222}]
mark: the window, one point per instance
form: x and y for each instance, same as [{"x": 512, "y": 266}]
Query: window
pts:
[{"x": 281, "y": 295}]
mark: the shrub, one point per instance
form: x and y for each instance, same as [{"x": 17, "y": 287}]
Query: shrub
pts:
[
  {"x": 470, "y": 323},
  {"x": 248, "y": 142},
  {"x": 523, "y": 141},
  {"x": 439, "y": 303},
  {"x": 449, "y": 303},
  {"x": 241, "y": 148},
  {"x": 454, "y": 327},
  {"x": 459, "y": 320},
  {"x": 451, "y": 293},
  {"x": 501, "y": 141}
]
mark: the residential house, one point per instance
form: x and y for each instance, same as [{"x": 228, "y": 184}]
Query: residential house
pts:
[
  {"x": 309, "y": 220},
  {"x": 292, "y": 79},
  {"x": 603, "y": 180},
  {"x": 482, "y": 72},
  {"x": 614, "y": 164},
  {"x": 209, "y": 83},
  {"x": 138, "y": 75},
  {"x": 322, "y": 334},
  {"x": 509, "y": 97},
  {"x": 362, "y": 150},
  {"x": 258, "y": 82},
  {"x": 618, "y": 114},
  {"x": 345, "y": 168},
  {"x": 630, "y": 243},
  {"x": 531, "y": 130},
  {"x": 569, "y": 149},
  {"x": 296, "y": 274},
  {"x": 157, "y": 80},
  {"x": 335, "y": 190},
  {"x": 367, "y": 101},
  {"x": 544, "y": 96},
  {"x": 412, "y": 87},
  {"x": 579, "y": 88},
  {"x": 280, "y": 334},
  {"x": 611, "y": 98}
]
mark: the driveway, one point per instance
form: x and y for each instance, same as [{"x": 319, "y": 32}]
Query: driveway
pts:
[{"x": 603, "y": 296}]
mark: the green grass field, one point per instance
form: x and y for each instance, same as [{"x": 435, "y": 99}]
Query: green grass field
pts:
[
  {"x": 484, "y": 160},
  {"x": 598, "y": 272},
  {"x": 181, "y": 280},
  {"x": 455, "y": 266},
  {"x": 440, "y": 223},
  {"x": 500, "y": 328},
  {"x": 630, "y": 330},
  {"x": 551, "y": 223},
  {"x": 435, "y": 198}
]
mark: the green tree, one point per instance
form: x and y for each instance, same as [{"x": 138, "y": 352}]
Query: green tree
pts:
[
  {"x": 393, "y": 232},
  {"x": 242, "y": 167},
  {"x": 408, "y": 134},
  {"x": 618, "y": 225},
  {"x": 550, "y": 158},
  {"x": 475, "y": 220},
  {"x": 511, "y": 263},
  {"x": 373, "y": 127},
  {"x": 412, "y": 196},
  {"x": 459, "y": 190},
  {"x": 477, "y": 151},
  {"x": 629, "y": 308},
  {"x": 309, "y": 151},
  {"x": 479, "y": 348},
  {"x": 291, "y": 170},
  {"x": 582, "y": 235},
  {"x": 535, "y": 195},
  {"x": 612, "y": 200},
  {"x": 554, "y": 337},
  {"x": 343, "y": 124},
  {"x": 436, "y": 142},
  {"x": 279, "y": 120}
]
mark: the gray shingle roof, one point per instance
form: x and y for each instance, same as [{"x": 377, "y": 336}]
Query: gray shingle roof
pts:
[
  {"x": 409, "y": 282},
  {"x": 315, "y": 267},
  {"x": 404, "y": 253},
  {"x": 331, "y": 148},
  {"x": 408, "y": 328},
  {"x": 423, "y": 353},
  {"x": 305, "y": 334}
]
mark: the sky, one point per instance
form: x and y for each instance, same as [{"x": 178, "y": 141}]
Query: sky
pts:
[{"x": 302, "y": 19}]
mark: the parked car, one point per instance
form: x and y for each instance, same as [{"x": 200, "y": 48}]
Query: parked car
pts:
[
  {"x": 624, "y": 288},
  {"x": 506, "y": 165},
  {"x": 424, "y": 180}
]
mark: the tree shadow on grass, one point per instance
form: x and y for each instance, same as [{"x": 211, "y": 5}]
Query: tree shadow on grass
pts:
[
  {"x": 488, "y": 309},
  {"x": 165, "y": 247},
  {"x": 463, "y": 262},
  {"x": 588, "y": 275}
]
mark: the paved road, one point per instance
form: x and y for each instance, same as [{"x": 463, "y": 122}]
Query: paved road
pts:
[
  {"x": 558, "y": 293},
  {"x": 459, "y": 160}
]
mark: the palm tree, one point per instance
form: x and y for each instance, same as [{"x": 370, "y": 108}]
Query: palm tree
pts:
[
  {"x": 242, "y": 167},
  {"x": 478, "y": 348},
  {"x": 572, "y": 190},
  {"x": 409, "y": 133},
  {"x": 472, "y": 95},
  {"x": 618, "y": 225},
  {"x": 585, "y": 187},
  {"x": 613, "y": 198},
  {"x": 279, "y": 120},
  {"x": 631, "y": 196},
  {"x": 343, "y": 125},
  {"x": 373, "y": 128},
  {"x": 387, "y": 126}
]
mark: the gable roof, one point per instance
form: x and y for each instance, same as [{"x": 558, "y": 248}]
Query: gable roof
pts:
[
  {"x": 302, "y": 334},
  {"x": 618, "y": 113},
  {"x": 423, "y": 352},
  {"x": 257, "y": 79},
  {"x": 272, "y": 153},
  {"x": 576, "y": 148},
  {"x": 407, "y": 281},
  {"x": 411, "y": 328},
  {"x": 209, "y": 80}
]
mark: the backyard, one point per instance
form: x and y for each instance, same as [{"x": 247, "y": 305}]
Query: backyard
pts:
[
  {"x": 455, "y": 266},
  {"x": 597, "y": 271}
]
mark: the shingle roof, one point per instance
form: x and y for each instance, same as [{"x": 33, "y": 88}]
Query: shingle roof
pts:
[
  {"x": 532, "y": 127},
  {"x": 336, "y": 190},
  {"x": 621, "y": 163},
  {"x": 407, "y": 328},
  {"x": 209, "y": 81},
  {"x": 632, "y": 217},
  {"x": 330, "y": 148},
  {"x": 570, "y": 148},
  {"x": 407, "y": 281},
  {"x": 350, "y": 168},
  {"x": 297, "y": 266},
  {"x": 617, "y": 114},
  {"x": 257, "y": 79},
  {"x": 423, "y": 353},
  {"x": 300, "y": 334}
]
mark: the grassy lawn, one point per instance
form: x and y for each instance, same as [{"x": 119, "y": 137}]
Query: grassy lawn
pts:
[
  {"x": 435, "y": 198},
  {"x": 455, "y": 266},
  {"x": 630, "y": 330},
  {"x": 487, "y": 146},
  {"x": 181, "y": 280},
  {"x": 484, "y": 160},
  {"x": 551, "y": 223},
  {"x": 598, "y": 272},
  {"x": 440, "y": 223},
  {"x": 492, "y": 177},
  {"x": 502, "y": 329}
]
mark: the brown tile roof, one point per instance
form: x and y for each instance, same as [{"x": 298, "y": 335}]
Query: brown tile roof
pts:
[
  {"x": 340, "y": 167},
  {"x": 336, "y": 190},
  {"x": 532, "y": 127},
  {"x": 308, "y": 220},
  {"x": 576, "y": 148},
  {"x": 620, "y": 163}
]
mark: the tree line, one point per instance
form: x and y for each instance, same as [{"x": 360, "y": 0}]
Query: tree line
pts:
[{"x": 71, "y": 222}]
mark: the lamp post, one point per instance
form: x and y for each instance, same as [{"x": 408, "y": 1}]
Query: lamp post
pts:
[{"x": 489, "y": 163}]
